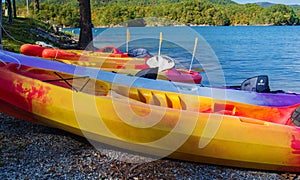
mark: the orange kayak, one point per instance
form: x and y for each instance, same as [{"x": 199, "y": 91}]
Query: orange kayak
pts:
[
  {"x": 108, "y": 52},
  {"x": 32, "y": 50}
]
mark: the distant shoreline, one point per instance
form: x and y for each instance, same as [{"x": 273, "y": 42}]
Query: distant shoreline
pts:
[{"x": 192, "y": 25}]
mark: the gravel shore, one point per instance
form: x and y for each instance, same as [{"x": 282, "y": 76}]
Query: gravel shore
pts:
[{"x": 31, "y": 151}]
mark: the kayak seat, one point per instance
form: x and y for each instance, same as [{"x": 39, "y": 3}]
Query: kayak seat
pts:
[
  {"x": 139, "y": 53},
  {"x": 149, "y": 73},
  {"x": 296, "y": 116}
]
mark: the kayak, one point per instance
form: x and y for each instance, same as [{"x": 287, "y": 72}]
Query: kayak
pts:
[
  {"x": 178, "y": 131},
  {"x": 108, "y": 52},
  {"x": 32, "y": 50},
  {"x": 276, "y": 99},
  {"x": 80, "y": 58},
  {"x": 166, "y": 69},
  {"x": 280, "y": 114},
  {"x": 85, "y": 58}
]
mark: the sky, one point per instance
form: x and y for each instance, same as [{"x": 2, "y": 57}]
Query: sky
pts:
[{"x": 290, "y": 2}]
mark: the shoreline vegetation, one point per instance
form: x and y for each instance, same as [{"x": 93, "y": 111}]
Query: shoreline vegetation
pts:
[
  {"x": 53, "y": 15},
  {"x": 29, "y": 30},
  {"x": 185, "y": 12},
  {"x": 184, "y": 25}
]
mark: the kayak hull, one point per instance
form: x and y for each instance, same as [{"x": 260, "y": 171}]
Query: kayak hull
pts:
[{"x": 102, "y": 115}]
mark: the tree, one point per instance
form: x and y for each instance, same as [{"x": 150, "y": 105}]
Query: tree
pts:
[
  {"x": 9, "y": 9},
  {"x": 36, "y": 6},
  {"x": 86, "y": 36},
  {"x": 14, "y": 8}
]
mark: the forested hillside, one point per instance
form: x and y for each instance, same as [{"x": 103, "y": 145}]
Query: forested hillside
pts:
[{"x": 187, "y": 12}]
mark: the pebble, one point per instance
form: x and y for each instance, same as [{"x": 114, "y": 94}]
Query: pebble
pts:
[{"x": 31, "y": 151}]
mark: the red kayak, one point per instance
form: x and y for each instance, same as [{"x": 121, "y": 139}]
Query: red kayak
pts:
[
  {"x": 181, "y": 75},
  {"x": 32, "y": 50},
  {"x": 46, "y": 52}
]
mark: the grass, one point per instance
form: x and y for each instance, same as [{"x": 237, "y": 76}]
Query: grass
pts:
[{"x": 18, "y": 33}]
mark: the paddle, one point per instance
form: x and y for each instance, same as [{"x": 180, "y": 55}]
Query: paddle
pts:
[
  {"x": 194, "y": 52},
  {"x": 160, "y": 42},
  {"x": 127, "y": 39}
]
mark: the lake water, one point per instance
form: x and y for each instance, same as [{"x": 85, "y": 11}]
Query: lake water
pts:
[{"x": 227, "y": 54}]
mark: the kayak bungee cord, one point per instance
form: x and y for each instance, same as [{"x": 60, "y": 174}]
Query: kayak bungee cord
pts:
[{"x": 14, "y": 58}]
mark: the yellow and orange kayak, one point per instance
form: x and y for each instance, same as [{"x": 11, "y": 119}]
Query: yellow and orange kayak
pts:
[{"x": 147, "y": 121}]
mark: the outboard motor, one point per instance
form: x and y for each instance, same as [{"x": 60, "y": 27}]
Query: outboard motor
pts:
[{"x": 258, "y": 84}]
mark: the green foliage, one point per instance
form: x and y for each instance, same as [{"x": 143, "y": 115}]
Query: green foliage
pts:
[
  {"x": 132, "y": 2},
  {"x": 297, "y": 10},
  {"x": 67, "y": 14},
  {"x": 188, "y": 12},
  {"x": 20, "y": 32},
  {"x": 221, "y": 2}
]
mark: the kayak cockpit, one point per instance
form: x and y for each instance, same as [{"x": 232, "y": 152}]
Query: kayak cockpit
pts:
[{"x": 77, "y": 83}]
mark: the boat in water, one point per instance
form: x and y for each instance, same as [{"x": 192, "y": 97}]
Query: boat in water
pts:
[{"x": 160, "y": 123}]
